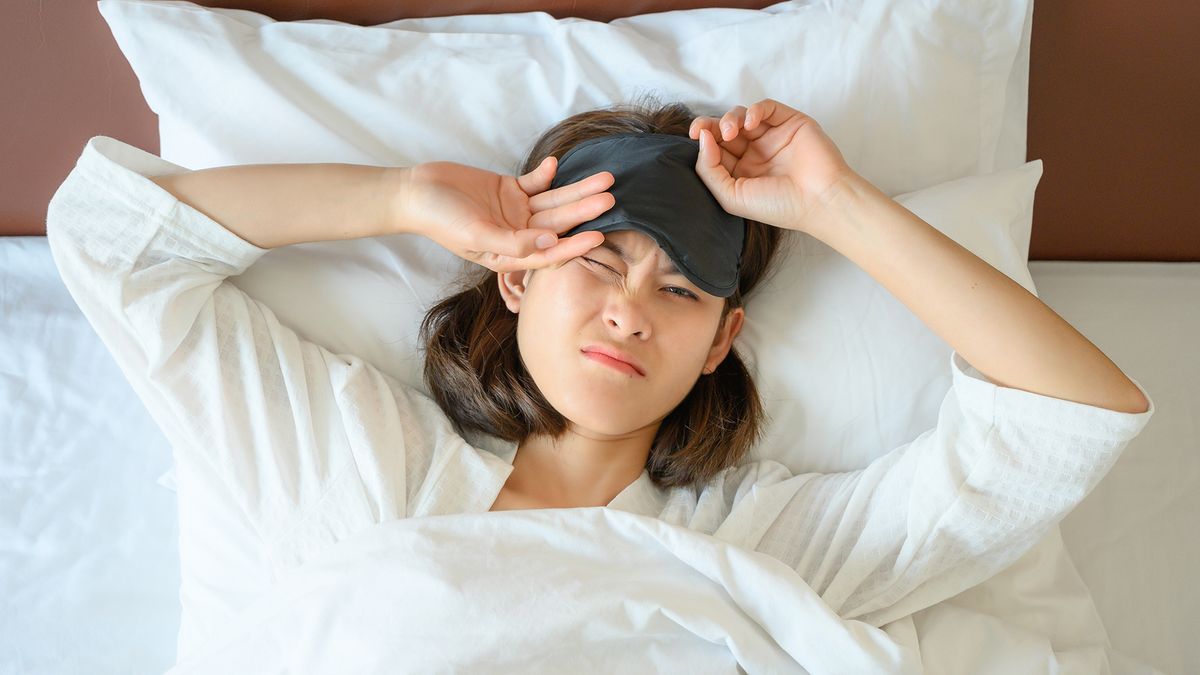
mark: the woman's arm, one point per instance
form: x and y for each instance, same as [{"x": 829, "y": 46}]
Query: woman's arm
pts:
[
  {"x": 774, "y": 164},
  {"x": 273, "y": 205},
  {"x": 495, "y": 220},
  {"x": 1000, "y": 328},
  {"x": 299, "y": 435}
]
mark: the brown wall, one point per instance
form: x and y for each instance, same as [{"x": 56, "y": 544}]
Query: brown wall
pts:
[
  {"x": 1114, "y": 114},
  {"x": 63, "y": 81}
]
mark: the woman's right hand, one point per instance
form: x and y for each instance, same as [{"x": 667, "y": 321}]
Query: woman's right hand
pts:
[{"x": 496, "y": 220}]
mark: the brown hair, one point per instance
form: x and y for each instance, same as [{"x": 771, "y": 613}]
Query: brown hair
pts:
[{"x": 473, "y": 367}]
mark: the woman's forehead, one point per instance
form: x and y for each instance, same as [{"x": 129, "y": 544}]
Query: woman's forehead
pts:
[
  {"x": 635, "y": 243},
  {"x": 635, "y": 247}
]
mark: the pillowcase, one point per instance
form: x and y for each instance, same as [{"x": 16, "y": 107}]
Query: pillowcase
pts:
[
  {"x": 846, "y": 371},
  {"x": 914, "y": 94}
]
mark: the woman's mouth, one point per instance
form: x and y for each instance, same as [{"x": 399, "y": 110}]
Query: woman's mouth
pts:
[{"x": 613, "y": 363}]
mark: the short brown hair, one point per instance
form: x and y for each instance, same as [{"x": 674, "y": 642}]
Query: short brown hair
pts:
[{"x": 474, "y": 371}]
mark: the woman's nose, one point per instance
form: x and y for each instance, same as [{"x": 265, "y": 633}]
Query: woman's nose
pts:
[{"x": 627, "y": 316}]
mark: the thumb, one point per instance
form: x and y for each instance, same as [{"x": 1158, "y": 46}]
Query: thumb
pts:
[{"x": 712, "y": 173}]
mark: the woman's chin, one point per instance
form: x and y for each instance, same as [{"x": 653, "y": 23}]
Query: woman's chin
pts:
[{"x": 606, "y": 415}]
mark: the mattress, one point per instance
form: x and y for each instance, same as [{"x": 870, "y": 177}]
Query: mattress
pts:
[{"x": 89, "y": 565}]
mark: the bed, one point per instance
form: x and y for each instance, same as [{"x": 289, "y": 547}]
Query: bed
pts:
[{"x": 93, "y": 573}]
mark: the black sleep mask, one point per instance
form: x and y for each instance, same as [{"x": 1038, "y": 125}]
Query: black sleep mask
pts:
[{"x": 659, "y": 193}]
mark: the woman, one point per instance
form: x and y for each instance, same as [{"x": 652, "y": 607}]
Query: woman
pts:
[
  {"x": 315, "y": 445},
  {"x": 507, "y": 356},
  {"x": 581, "y": 445}
]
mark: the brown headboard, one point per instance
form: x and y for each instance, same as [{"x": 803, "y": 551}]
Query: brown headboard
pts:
[{"x": 1114, "y": 91}]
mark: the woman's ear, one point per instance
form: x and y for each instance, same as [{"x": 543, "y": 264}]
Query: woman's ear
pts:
[
  {"x": 512, "y": 288},
  {"x": 723, "y": 341}
]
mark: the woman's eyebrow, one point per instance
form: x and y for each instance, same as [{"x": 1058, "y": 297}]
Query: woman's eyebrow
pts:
[{"x": 668, "y": 266}]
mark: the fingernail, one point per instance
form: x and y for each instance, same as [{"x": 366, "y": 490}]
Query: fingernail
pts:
[{"x": 546, "y": 241}]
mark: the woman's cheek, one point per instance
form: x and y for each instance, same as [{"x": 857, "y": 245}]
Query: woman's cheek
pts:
[{"x": 578, "y": 288}]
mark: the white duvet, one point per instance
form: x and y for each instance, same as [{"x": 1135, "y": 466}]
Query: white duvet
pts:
[
  {"x": 593, "y": 590},
  {"x": 589, "y": 590},
  {"x": 551, "y": 590}
]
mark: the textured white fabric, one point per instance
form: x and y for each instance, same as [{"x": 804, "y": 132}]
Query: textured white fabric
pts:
[
  {"x": 582, "y": 590},
  {"x": 316, "y": 446}
]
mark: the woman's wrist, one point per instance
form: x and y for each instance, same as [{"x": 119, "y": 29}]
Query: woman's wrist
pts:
[
  {"x": 841, "y": 205},
  {"x": 396, "y": 197}
]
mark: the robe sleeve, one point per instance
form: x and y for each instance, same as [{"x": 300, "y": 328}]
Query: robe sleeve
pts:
[
  {"x": 954, "y": 506},
  {"x": 313, "y": 445}
]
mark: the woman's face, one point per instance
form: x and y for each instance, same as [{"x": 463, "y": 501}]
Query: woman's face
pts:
[{"x": 656, "y": 316}]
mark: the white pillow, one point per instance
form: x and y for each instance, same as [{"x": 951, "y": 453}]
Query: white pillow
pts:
[
  {"x": 913, "y": 93},
  {"x": 848, "y": 372},
  {"x": 916, "y": 95}
]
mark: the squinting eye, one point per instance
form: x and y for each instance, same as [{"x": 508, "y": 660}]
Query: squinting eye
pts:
[
  {"x": 589, "y": 260},
  {"x": 683, "y": 292}
]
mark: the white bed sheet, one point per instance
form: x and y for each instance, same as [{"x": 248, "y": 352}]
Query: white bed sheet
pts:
[
  {"x": 89, "y": 567},
  {"x": 1134, "y": 539}
]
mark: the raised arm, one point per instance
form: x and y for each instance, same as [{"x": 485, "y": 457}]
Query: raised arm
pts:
[
  {"x": 495, "y": 220},
  {"x": 776, "y": 165}
]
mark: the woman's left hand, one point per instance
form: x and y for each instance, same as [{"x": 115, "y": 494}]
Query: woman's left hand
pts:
[{"x": 769, "y": 163}]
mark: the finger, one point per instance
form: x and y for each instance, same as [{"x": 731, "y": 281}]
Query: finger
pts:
[
  {"x": 573, "y": 192},
  {"x": 486, "y": 236},
  {"x": 738, "y": 122},
  {"x": 731, "y": 123},
  {"x": 540, "y": 178},
  {"x": 537, "y": 183},
  {"x": 711, "y": 169},
  {"x": 563, "y": 218},
  {"x": 727, "y": 159},
  {"x": 771, "y": 113},
  {"x": 570, "y": 247},
  {"x": 736, "y": 147}
]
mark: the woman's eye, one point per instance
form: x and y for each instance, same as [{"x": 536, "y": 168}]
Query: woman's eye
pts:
[
  {"x": 597, "y": 263},
  {"x": 682, "y": 292}
]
